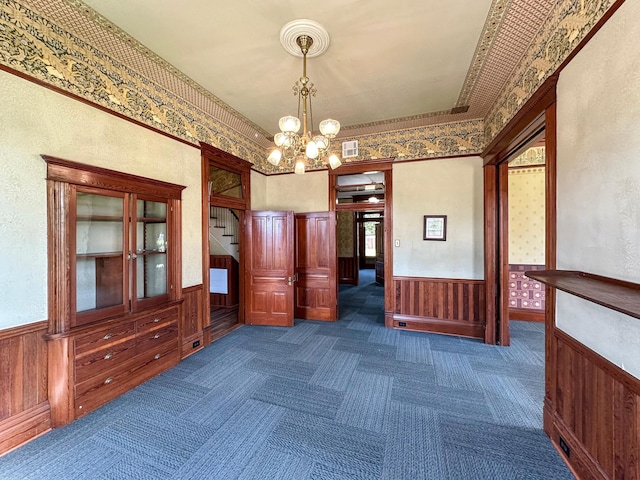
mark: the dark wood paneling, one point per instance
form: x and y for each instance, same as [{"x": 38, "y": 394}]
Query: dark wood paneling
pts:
[
  {"x": 192, "y": 320},
  {"x": 526, "y": 315},
  {"x": 24, "y": 406},
  {"x": 348, "y": 270},
  {"x": 596, "y": 412},
  {"x": 230, "y": 264},
  {"x": 441, "y": 305}
]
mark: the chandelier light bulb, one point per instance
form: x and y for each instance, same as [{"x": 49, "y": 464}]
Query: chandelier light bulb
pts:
[
  {"x": 321, "y": 142},
  {"x": 299, "y": 167},
  {"x": 275, "y": 157},
  {"x": 279, "y": 139},
  {"x": 329, "y": 127},
  {"x": 289, "y": 124},
  {"x": 334, "y": 161},
  {"x": 312, "y": 150}
]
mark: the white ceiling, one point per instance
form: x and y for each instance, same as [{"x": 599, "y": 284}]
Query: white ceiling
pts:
[{"x": 386, "y": 60}]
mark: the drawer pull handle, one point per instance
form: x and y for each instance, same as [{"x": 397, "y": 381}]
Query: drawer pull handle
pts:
[
  {"x": 108, "y": 336},
  {"x": 157, "y": 356},
  {"x": 157, "y": 335},
  {"x": 156, "y": 320},
  {"x": 108, "y": 356},
  {"x": 108, "y": 380}
]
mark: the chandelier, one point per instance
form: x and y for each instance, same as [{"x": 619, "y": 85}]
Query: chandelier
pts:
[{"x": 306, "y": 148}]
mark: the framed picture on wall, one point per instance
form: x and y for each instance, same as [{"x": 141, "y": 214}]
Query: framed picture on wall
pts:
[{"x": 435, "y": 227}]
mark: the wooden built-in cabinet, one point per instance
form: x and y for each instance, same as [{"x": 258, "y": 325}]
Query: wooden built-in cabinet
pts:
[{"x": 114, "y": 284}]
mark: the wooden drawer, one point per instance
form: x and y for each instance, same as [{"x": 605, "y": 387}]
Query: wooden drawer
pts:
[
  {"x": 99, "y": 361},
  {"x": 157, "y": 320},
  {"x": 100, "y": 389},
  {"x": 150, "y": 340},
  {"x": 104, "y": 338}
]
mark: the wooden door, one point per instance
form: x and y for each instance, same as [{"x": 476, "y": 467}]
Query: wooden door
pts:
[
  {"x": 269, "y": 270},
  {"x": 316, "y": 266}
]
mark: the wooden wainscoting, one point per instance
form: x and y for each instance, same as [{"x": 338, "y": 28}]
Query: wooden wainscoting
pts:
[
  {"x": 192, "y": 320},
  {"x": 24, "y": 405},
  {"x": 348, "y": 270},
  {"x": 439, "y": 305},
  {"x": 594, "y": 412},
  {"x": 230, "y": 264}
]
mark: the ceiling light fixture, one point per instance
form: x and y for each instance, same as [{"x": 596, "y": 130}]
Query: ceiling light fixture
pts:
[{"x": 306, "y": 149}]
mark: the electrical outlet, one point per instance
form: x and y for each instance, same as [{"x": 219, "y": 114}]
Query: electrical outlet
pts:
[
  {"x": 196, "y": 344},
  {"x": 397, "y": 243},
  {"x": 402, "y": 324},
  {"x": 564, "y": 447}
]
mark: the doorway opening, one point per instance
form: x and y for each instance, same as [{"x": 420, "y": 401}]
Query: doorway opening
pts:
[
  {"x": 226, "y": 198},
  {"x": 361, "y": 194}
]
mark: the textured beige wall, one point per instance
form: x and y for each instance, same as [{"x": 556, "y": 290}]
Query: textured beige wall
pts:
[
  {"x": 300, "y": 193},
  {"x": 599, "y": 181},
  {"x": 258, "y": 190},
  {"x": 526, "y": 215},
  {"x": 35, "y": 120},
  {"x": 452, "y": 187}
]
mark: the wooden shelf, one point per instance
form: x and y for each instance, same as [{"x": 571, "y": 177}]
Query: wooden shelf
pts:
[
  {"x": 99, "y": 255},
  {"x": 151, "y": 220},
  {"x": 615, "y": 294},
  {"x": 99, "y": 218}
]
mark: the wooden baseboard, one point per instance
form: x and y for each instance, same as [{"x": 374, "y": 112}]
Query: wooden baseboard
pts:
[
  {"x": 578, "y": 459},
  {"x": 437, "y": 325},
  {"x": 526, "y": 315},
  {"x": 23, "y": 427}
]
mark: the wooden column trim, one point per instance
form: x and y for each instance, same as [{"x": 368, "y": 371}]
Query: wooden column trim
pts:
[
  {"x": 503, "y": 255},
  {"x": 491, "y": 251},
  {"x": 551, "y": 347},
  {"x": 58, "y": 257}
]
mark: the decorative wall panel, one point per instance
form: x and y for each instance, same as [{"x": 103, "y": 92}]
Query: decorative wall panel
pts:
[
  {"x": 595, "y": 410},
  {"x": 346, "y": 240},
  {"x": 24, "y": 409},
  {"x": 525, "y": 293},
  {"x": 442, "y": 305}
]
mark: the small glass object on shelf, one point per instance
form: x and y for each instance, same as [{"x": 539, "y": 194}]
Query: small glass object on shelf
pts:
[{"x": 151, "y": 248}]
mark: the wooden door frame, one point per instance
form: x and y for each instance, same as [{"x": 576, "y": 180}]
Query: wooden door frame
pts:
[
  {"x": 211, "y": 155},
  {"x": 537, "y": 115},
  {"x": 385, "y": 165}
]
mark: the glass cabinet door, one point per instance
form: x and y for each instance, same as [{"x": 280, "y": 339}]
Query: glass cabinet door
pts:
[
  {"x": 151, "y": 247},
  {"x": 99, "y": 254}
]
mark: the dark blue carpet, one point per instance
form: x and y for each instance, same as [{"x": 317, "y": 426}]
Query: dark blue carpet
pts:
[{"x": 344, "y": 400}]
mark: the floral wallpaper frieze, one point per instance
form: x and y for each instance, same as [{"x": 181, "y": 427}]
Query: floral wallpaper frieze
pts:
[
  {"x": 568, "y": 24},
  {"x": 37, "y": 47},
  {"x": 32, "y": 45}
]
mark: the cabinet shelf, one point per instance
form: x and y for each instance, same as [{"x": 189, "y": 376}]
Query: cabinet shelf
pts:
[
  {"x": 99, "y": 218},
  {"x": 99, "y": 255},
  {"x": 618, "y": 295},
  {"x": 151, "y": 220},
  {"x": 150, "y": 252}
]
